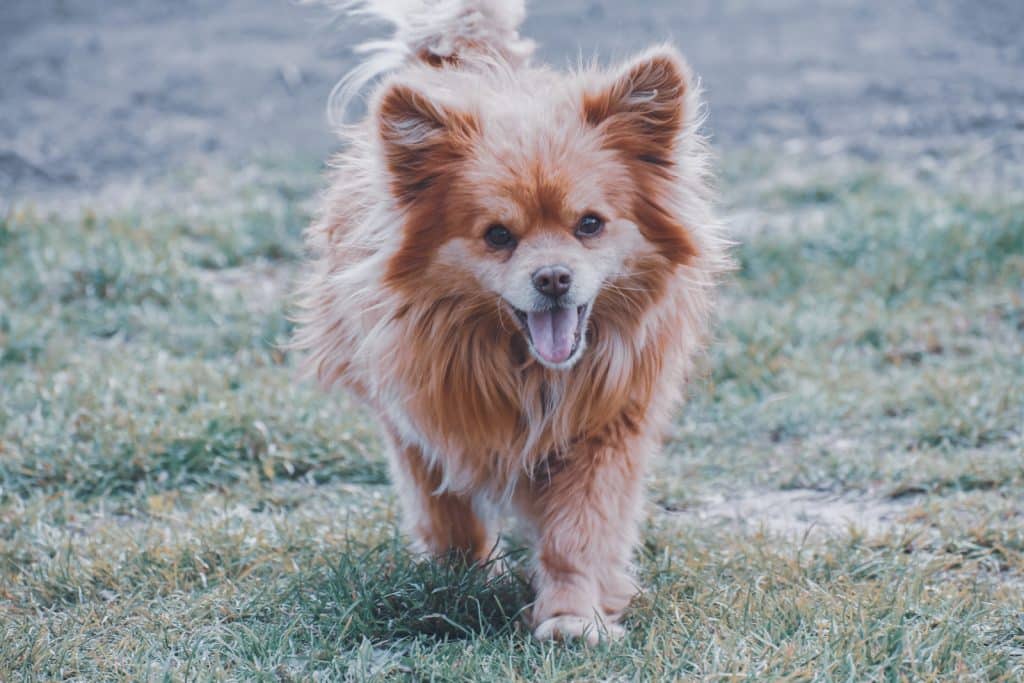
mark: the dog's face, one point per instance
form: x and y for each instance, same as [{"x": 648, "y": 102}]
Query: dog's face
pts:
[
  {"x": 545, "y": 226},
  {"x": 546, "y": 211}
]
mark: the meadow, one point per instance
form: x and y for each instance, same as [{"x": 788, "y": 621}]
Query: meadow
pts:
[{"x": 842, "y": 498}]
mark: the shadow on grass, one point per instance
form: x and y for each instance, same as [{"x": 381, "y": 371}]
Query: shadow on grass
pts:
[{"x": 382, "y": 593}]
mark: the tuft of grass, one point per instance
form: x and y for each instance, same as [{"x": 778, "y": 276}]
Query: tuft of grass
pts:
[{"x": 381, "y": 594}]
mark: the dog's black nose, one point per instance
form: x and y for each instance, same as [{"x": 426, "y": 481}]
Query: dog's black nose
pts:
[{"x": 553, "y": 281}]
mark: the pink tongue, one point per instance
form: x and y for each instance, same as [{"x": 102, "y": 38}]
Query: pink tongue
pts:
[{"x": 553, "y": 333}]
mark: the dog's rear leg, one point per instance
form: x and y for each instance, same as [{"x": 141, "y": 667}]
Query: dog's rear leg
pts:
[{"x": 441, "y": 525}]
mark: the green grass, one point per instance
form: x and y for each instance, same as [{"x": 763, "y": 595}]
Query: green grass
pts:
[{"x": 175, "y": 505}]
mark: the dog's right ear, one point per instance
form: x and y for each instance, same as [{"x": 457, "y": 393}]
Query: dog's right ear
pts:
[{"x": 422, "y": 140}]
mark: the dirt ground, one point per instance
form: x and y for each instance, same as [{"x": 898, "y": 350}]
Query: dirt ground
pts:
[{"x": 100, "y": 92}]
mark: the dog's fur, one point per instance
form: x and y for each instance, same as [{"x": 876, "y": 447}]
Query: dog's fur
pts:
[{"x": 408, "y": 305}]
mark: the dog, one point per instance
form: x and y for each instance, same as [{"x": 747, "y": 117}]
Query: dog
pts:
[{"x": 515, "y": 268}]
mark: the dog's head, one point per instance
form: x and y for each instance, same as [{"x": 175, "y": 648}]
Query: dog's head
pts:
[{"x": 548, "y": 195}]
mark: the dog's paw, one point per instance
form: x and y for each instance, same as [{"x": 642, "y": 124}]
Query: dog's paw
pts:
[{"x": 568, "y": 627}]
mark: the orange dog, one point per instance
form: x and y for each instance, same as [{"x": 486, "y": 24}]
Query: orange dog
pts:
[{"x": 515, "y": 267}]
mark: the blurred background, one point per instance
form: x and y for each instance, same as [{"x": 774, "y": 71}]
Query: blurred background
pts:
[{"x": 99, "y": 91}]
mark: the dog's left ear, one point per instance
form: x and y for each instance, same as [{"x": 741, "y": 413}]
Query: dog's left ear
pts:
[
  {"x": 642, "y": 110},
  {"x": 642, "y": 113}
]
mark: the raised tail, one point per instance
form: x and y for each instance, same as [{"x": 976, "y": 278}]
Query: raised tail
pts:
[{"x": 436, "y": 32}]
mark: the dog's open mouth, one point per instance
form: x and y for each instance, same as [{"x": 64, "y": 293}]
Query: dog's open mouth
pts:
[{"x": 555, "y": 334}]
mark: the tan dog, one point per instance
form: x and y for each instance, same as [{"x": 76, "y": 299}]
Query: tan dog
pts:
[{"x": 514, "y": 267}]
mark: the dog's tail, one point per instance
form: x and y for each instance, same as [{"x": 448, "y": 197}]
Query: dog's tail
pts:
[{"x": 436, "y": 32}]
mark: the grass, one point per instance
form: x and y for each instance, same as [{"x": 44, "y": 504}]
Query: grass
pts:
[{"x": 174, "y": 505}]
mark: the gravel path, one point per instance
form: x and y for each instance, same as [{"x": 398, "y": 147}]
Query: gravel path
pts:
[{"x": 94, "y": 92}]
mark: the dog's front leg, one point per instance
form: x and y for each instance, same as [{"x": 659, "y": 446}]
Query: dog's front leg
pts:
[
  {"x": 440, "y": 524},
  {"x": 585, "y": 508}
]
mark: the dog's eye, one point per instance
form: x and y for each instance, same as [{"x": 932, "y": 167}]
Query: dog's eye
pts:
[
  {"x": 590, "y": 225},
  {"x": 499, "y": 237}
]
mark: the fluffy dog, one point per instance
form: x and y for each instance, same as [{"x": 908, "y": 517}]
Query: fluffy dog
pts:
[{"x": 514, "y": 267}]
